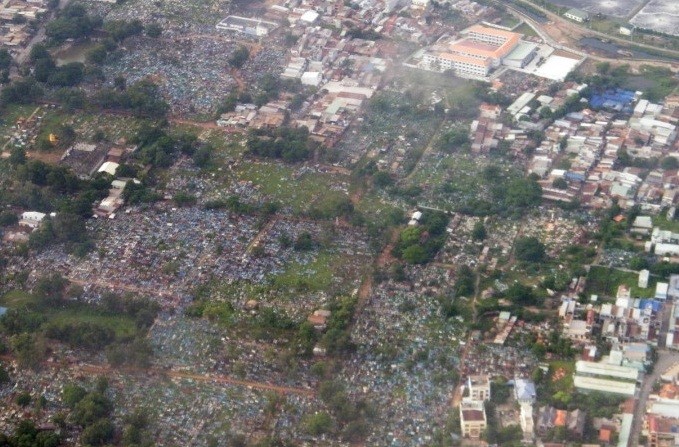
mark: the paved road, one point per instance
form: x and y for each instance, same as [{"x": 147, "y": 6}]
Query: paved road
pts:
[
  {"x": 40, "y": 35},
  {"x": 665, "y": 360}
]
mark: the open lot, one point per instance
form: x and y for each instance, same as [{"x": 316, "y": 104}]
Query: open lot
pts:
[
  {"x": 615, "y": 8},
  {"x": 605, "y": 281},
  {"x": 659, "y": 15},
  {"x": 556, "y": 67}
]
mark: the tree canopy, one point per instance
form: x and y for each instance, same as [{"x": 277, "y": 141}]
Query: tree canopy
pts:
[{"x": 529, "y": 249}]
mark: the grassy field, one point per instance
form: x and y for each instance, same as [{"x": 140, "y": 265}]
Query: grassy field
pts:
[
  {"x": 424, "y": 82},
  {"x": 661, "y": 222},
  {"x": 279, "y": 182},
  {"x": 561, "y": 376},
  {"x": 11, "y": 114},
  {"x": 526, "y": 30},
  {"x": 295, "y": 292},
  {"x": 604, "y": 281},
  {"x": 655, "y": 82},
  {"x": 114, "y": 127},
  {"x": 460, "y": 171},
  {"x": 227, "y": 147},
  {"x": 17, "y": 299},
  {"x": 319, "y": 275},
  {"x": 123, "y": 326},
  {"x": 375, "y": 209},
  {"x": 509, "y": 21}
]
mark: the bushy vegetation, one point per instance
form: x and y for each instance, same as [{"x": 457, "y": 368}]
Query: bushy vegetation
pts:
[
  {"x": 285, "y": 143},
  {"x": 239, "y": 57},
  {"x": 419, "y": 244},
  {"x": 27, "y": 434},
  {"x": 73, "y": 23},
  {"x": 351, "y": 418},
  {"x": 504, "y": 193},
  {"x": 529, "y": 249},
  {"x": 45, "y": 69},
  {"x": 117, "y": 323},
  {"x": 141, "y": 98}
]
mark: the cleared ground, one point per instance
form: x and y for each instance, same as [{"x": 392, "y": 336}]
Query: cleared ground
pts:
[
  {"x": 659, "y": 15},
  {"x": 616, "y": 8}
]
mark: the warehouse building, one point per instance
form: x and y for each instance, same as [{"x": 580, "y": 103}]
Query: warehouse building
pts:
[
  {"x": 605, "y": 378},
  {"x": 577, "y": 15},
  {"x": 521, "y": 55},
  {"x": 251, "y": 27}
]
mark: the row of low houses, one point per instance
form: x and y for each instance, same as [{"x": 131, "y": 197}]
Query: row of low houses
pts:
[{"x": 595, "y": 146}]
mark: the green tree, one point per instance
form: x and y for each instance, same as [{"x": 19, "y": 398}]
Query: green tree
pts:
[
  {"x": 72, "y": 394},
  {"x": 669, "y": 163},
  {"x": 70, "y": 98},
  {"x": 22, "y": 91},
  {"x": 182, "y": 199},
  {"x": 30, "y": 350},
  {"x": 521, "y": 294},
  {"x": 39, "y": 51},
  {"x": 499, "y": 392},
  {"x": 72, "y": 23},
  {"x": 523, "y": 193},
  {"x": 5, "y": 59},
  {"x": 318, "y": 423},
  {"x": 415, "y": 254},
  {"x": 529, "y": 249},
  {"x": 99, "y": 433},
  {"x": 23, "y": 399},
  {"x": 17, "y": 156},
  {"x": 96, "y": 55},
  {"x": 91, "y": 408},
  {"x": 119, "y": 30},
  {"x": 8, "y": 218},
  {"x": 304, "y": 242},
  {"x": 203, "y": 156},
  {"x": 638, "y": 263},
  {"x": 479, "y": 231},
  {"x": 560, "y": 183},
  {"x": 453, "y": 140},
  {"x": 51, "y": 288},
  {"x": 382, "y": 179},
  {"x": 239, "y": 57},
  {"x": 465, "y": 281},
  {"x": 67, "y": 75},
  {"x": 153, "y": 30},
  {"x": 545, "y": 113},
  {"x": 4, "y": 376}
]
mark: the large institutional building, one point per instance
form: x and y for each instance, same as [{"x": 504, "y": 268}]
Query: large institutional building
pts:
[
  {"x": 472, "y": 418},
  {"x": 482, "y": 49}
]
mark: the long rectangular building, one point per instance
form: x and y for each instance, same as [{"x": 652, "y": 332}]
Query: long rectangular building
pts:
[
  {"x": 481, "y": 50},
  {"x": 459, "y": 63},
  {"x": 604, "y": 385},
  {"x": 504, "y": 41},
  {"x": 591, "y": 369}
]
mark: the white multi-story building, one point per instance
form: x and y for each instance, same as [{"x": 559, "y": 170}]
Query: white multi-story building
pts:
[
  {"x": 460, "y": 64},
  {"x": 479, "y": 387},
  {"x": 472, "y": 418},
  {"x": 481, "y": 50}
]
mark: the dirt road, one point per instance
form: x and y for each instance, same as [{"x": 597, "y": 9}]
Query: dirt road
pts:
[{"x": 105, "y": 370}]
